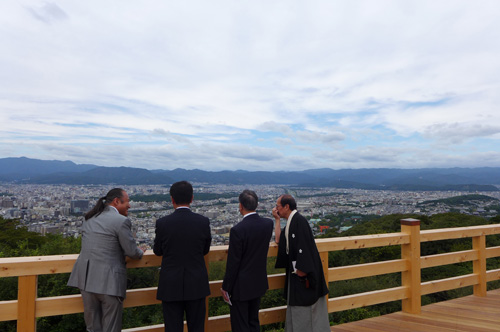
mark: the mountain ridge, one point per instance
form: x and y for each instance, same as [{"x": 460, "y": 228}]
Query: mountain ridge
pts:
[{"x": 26, "y": 170}]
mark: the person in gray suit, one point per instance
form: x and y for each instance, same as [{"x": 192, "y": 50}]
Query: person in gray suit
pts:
[{"x": 100, "y": 272}]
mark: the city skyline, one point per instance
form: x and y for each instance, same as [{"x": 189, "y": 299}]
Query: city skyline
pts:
[{"x": 284, "y": 85}]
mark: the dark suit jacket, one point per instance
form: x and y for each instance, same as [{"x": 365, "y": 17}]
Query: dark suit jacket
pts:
[
  {"x": 246, "y": 268},
  {"x": 100, "y": 267},
  {"x": 182, "y": 238}
]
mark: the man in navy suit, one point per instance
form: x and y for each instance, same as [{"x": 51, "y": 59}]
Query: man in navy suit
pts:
[
  {"x": 245, "y": 281},
  {"x": 183, "y": 238}
]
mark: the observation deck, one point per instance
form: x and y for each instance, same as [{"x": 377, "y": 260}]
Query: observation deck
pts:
[{"x": 479, "y": 312}]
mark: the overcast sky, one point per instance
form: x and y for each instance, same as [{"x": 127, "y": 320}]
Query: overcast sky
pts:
[{"x": 253, "y": 85}]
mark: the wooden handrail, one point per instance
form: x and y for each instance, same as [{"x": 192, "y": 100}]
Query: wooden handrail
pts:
[{"x": 28, "y": 307}]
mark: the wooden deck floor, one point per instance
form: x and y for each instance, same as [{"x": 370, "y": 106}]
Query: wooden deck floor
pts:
[{"x": 466, "y": 314}]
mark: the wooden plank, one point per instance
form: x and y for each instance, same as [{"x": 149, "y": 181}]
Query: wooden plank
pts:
[
  {"x": 492, "y": 252},
  {"x": 59, "y": 305},
  {"x": 219, "y": 323},
  {"x": 365, "y": 299},
  {"x": 141, "y": 296},
  {"x": 149, "y": 259},
  {"x": 366, "y": 270},
  {"x": 8, "y": 310},
  {"x": 218, "y": 253},
  {"x": 272, "y": 315},
  {"x": 362, "y": 241},
  {"x": 493, "y": 275},
  {"x": 458, "y": 232},
  {"x": 449, "y": 283},
  {"x": 70, "y": 304},
  {"x": 276, "y": 281},
  {"x": 466, "y": 314},
  {"x": 36, "y": 265},
  {"x": 448, "y": 258}
]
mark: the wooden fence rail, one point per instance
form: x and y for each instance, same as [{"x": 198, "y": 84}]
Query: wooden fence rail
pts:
[{"x": 28, "y": 306}]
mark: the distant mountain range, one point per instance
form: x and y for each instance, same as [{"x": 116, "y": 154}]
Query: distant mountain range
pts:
[{"x": 26, "y": 170}]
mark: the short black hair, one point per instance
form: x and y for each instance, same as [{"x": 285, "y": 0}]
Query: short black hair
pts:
[
  {"x": 249, "y": 200},
  {"x": 288, "y": 199},
  {"x": 182, "y": 192}
]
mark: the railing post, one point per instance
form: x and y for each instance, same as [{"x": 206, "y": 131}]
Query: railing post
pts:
[
  {"x": 479, "y": 265},
  {"x": 26, "y": 297},
  {"x": 412, "y": 277},
  {"x": 324, "y": 261}
]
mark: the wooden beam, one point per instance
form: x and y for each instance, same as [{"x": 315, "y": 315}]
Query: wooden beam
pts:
[
  {"x": 368, "y": 298},
  {"x": 449, "y": 283},
  {"x": 363, "y": 241},
  {"x": 367, "y": 270},
  {"x": 8, "y": 310},
  {"x": 448, "y": 258},
  {"x": 458, "y": 232}
]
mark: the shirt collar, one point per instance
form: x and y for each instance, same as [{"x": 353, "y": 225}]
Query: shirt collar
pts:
[
  {"x": 248, "y": 214},
  {"x": 291, "y": 216},
  {"x": 287, "y": 228},
  {"x": 112, "y": 207},
  {"x": 183, "y": 207}
]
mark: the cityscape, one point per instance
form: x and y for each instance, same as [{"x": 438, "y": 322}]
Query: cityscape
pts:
[{"x": 59, "y": 209}]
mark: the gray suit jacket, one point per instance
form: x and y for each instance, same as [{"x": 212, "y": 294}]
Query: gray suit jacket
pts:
[{"x": 100, "y": 268}]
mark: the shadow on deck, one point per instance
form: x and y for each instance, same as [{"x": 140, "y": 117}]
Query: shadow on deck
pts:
[{"x": 465, "y": 314}]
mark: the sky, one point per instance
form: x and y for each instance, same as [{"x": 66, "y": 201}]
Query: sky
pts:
[{"x": 252, "y": 85}]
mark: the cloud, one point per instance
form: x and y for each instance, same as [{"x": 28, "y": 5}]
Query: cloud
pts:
[
  {"x": 327, "y": 138},
  {"x": 327, "y": 84},
  {"x": 283, "y": 141},
  {"x": 456, "y": 133},
  {"x": 48, "y": 13},
  {"x": 169, "y": 135}
]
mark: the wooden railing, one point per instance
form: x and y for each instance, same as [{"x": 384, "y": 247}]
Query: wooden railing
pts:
[{"x": 28, "y": 307}]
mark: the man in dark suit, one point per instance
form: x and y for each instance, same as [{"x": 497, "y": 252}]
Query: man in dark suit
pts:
[
  {"x": 245, "y": 281},
  {"x": 183, "y": 238},
  {"x": 100, "y": 272}
]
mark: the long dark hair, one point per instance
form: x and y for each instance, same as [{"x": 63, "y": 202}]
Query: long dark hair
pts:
[{"x": 103, "y": 202}]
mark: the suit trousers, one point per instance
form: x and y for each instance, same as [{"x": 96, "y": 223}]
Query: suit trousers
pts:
[
  {"x": 102, "y": 313},
  {"x": 173, "y": 315},
  {"x": 245, "y": 315}
]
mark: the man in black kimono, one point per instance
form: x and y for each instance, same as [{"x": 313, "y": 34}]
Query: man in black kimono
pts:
[{"x": 305, "y": 286}]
